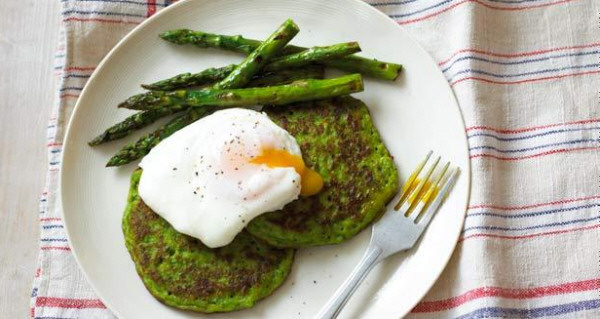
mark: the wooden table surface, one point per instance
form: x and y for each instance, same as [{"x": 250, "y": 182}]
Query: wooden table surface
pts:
[{"x": 28, "y": 39}]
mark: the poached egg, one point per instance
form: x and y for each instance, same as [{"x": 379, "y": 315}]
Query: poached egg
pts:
[{"x": 211, "y": 178}]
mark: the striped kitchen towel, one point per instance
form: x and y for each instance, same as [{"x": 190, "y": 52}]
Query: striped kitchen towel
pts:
[{"x": 526, "y": 75}]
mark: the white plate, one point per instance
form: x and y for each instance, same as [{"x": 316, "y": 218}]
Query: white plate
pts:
[{"x": 416, "y": 113}]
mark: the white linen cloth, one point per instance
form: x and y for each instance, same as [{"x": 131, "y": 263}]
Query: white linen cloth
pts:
[{"x": 526, "y": 75}]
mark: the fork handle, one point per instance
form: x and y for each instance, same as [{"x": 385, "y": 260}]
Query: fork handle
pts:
[{"x": 334, "y": 306}]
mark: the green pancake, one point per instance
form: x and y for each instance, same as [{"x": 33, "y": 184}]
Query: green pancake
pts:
[
  {"x": 181, "y": 272},
  {"x": 340, "y": 142}
]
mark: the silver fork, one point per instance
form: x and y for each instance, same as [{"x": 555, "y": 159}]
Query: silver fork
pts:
[{"x": 400, "y": 227}]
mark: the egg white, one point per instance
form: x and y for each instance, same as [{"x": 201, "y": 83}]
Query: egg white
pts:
[{"x": 201, "y": 181}]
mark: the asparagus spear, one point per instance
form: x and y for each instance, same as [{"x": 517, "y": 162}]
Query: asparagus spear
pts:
[
  {"x": 145, "y": 118},
  {"x": 243, "y": 72},
  {"x": 311, "y": 55},
  {"x": 288, "y": 76},
  {"x": 297, "y": 91},
  {"x": 132, "y": 123},
  {"x": 136, "y": 150},
  {"x": 208, "y": 76},
  {"x": 237, "y": 43},
  {"x": 296, "y": 60}
]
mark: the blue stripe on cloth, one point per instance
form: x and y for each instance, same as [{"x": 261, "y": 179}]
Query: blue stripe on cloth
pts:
[
  {"x": 53, "y": 239},
  {"x": 142, "y": 3},
  {"x": 539, "y": 213},
  {"x": 525, "y": 137},
  {"x": 509, "y": 229},
  {"x": 76, "y": 76},
  {"x": 34, "y": 292},
  {"x": 533, "y": 147},
  {"x": 52, "y": 226},
  {"x": 381, "y": 4},
  {"x": 439, "y": 4},
  {"x": 556, "y": 56},
  {"x": 103, "y": 13},
  {"x": 73, "y": 88},
  {"x": 504, "y": 76},
  {"x": 499, "y": 312}
]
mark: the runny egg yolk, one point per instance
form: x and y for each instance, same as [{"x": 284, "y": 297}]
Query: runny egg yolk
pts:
[{"x": 311, "y": 181}]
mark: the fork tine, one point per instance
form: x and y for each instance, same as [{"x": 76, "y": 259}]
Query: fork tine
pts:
[
  {"x": 413, "y": 198},
  {"x": 437, "y": 184},
  {"x": 407, "y": 186},
  {"x": 433, "y": 188},
  {"x": 407, "y": 206},
  {"x": 439, "y": 198}
]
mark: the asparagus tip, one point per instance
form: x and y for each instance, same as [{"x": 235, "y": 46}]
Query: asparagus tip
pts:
[
  {"x": 399, "y": 68},
  {"x": 113, "y": 162},
  {"x": 172, "y": 35},
  {"x": 98, "y": 139}
]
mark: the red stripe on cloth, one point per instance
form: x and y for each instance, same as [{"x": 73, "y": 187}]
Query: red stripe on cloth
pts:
[
  {"x": 562, "y": 150},
  {"x": 80, "y": 68},
  {"x": 38, "y": 272},
  {"x": 526, "y": 293},
  {"x": 529, "y": 129},
  {"x": 151, "y": 8},
  {"x": 556, "y": 232},
  {"x": 32, "y": 312},
  {"x": 49, "y": 219},
  {"x": 69, "y": 96},
  {"x": 56, "y": 248},
  {"x": 558, "y": 202},
  {"x": 431, "y": 15},
  {"x": 522, "y": 81},
  {"x": 68, "y": 303},
  {"x": 517, "y": 55},
  {"x": 50, "y": 145},
  {"x": 100, "y": 20}
]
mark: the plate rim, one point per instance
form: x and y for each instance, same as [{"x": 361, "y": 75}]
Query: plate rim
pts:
[{"x": 118, "y": 46}]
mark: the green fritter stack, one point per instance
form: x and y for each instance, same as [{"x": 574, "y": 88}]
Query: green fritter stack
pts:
[
  {"x": 339, "y": 141},
  {"x": 181, "y": 272}
]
